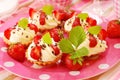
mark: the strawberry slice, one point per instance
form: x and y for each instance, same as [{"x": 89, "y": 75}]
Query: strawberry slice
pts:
[
  {"x": 17, "y": 52},
  {"x": 31, "y": 12},
  {"x": 91, "y": 21},
  {"x": 93, "y": 41},
  {"x": 37, "y": 38},
  {"x": 42, "y": 18},
  {"x": 76, "y": 22},
  {"x": 55, "y": 34},
  {"x": 56, "y": 49},
  {"x": 33, "y": 27},
  {"x": 36, "y": 53},
  {"x": 7, "y": 33},
  {"x": 103, "y": 34},
  {"x": 60, "y": 14}
]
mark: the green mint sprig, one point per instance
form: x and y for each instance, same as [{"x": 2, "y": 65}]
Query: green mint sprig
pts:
[
  {"x": 47, "y": 38},
  {"x": 47, "y": 9},
  {"x": 70, "y": 45},
  {"x": 83, "y": 16},
  {"x": 94, "y": 29},
  {"x": 23, "y": 23}
]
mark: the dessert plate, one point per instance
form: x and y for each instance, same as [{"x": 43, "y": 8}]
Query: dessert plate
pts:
[{"x": 58, "y": 72}]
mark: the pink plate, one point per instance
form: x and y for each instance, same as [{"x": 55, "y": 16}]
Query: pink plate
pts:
[{"x": 58, "y": 72}]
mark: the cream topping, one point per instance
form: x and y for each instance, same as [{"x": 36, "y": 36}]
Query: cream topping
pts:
[
  {"x": 100, "y": 47},
  {"x": 46, "y": 53},
  {"x": 50, "y": 21},
  {"x": 20, "y": 35},
  {"x": 68, "y": 24}
]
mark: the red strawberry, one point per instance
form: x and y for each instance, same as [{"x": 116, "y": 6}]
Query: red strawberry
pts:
[
  {"x": 36, "y": 53},
  {"x": 59, "y": 14},
  {"x": 76, "y": 22},
  {"x": 113, "y": 29},
  {"x": 56, "y": 49},
  {"x": 37, "y": 38},
  {"x": 69, "y": 63},
  {"x": 91, "y": 21},
  {"x": 42, "y": 18},
  {"x": 7, "y": 32},
  {"x": 31, "y": 12},
  {"x": 17, "y": 52},
  {"x": 33, "y": 27},
  {"x": 103, "y": 34},
  {"x": 93, "y": 41},
  {"x": 55, "y": 34}
]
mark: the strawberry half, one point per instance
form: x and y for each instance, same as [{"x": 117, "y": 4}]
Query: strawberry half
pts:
[
  {"x": 103, "y": 34},
  {"x": 42, "y": 18},
  {"x": 91, "y": 21},
  {"x": 7, "y": 33},
  {"x": 55, "y": 34},
  {"x": 31, "y": 12},
  {"x": 37, "y": 38},
  {"x": 59, "y": 14},
  {"x": 93, "y": 41},
  {"x": 17, "y": 52},
  {"x": 36, "y": 53},
  {"x": 56, "y": 49},
  {"x": 33, "y": 27}
]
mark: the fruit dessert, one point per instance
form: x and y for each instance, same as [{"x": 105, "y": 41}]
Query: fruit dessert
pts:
[
  {"x": 23, "y": 32},
  {"x": 48, "y": 17},
  {"x": 85, "y": 39},
  {"x": 44, "y": 50},
  {"x": 54, "y": 35}
]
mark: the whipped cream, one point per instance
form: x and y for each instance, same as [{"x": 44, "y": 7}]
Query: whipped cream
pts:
[
  {"x": 46, "y": 53},
  {"x": 20, "y": 35},
  {"x": 100, "y": 47},
  {"x": 68, "y": 24},
  {"x": 50, "y": 21}
]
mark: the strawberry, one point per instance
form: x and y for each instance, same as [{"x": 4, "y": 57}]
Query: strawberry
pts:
[
  {"x": 7, "y": 33},
  {"x": 36, "y": 53},
  {"x": 37, "y": 38},
  {"x": 31, "y": 12},
  {"x": 59, "y": 14},
  {"x": 113, "y": 29},
  {"x": 70, "y": 64},
  {"x": 55, "y": 34},
  {"x": 33, "y": 27},
  {"x": 91, "y": 21},
  {"x": 103, "y": 34},
  {"x": 17, "y": 52},
  {"x": 56, "y": 49},
  {"x": 93, "y": 41},
  {"x": 42, "y": 18},
  {"x": 76, "y": 22}
]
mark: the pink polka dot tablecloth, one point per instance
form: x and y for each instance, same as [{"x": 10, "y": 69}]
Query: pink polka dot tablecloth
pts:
[{"x": 27, "y": 70}]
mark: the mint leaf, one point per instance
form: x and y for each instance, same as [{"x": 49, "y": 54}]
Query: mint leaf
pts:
[
  {"x": 94, "y": 29},
  {"x": 80, "y": 53},
  {"x": 66, "y": 46},
  {"x": 47, "y": 9},
  {"x": 77, "y": 36},
  {"x": 47, "y": 38},
  {"x": 23, "y": 23},
  {"x": 83, "y": 16}
]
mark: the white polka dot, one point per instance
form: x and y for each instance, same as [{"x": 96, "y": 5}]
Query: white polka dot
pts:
[
  {"x": 9, "y": 64},
  {"x": 4, "y": 49},
  {"x": 44, "y": 77},
  {"x": 1, "y": 34},
  {"x": 103, "y": 66},
  {"x": 117, "y": 46},
  {"x": 35, "y": 66},
  {"x": 74, "y": 73}
]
